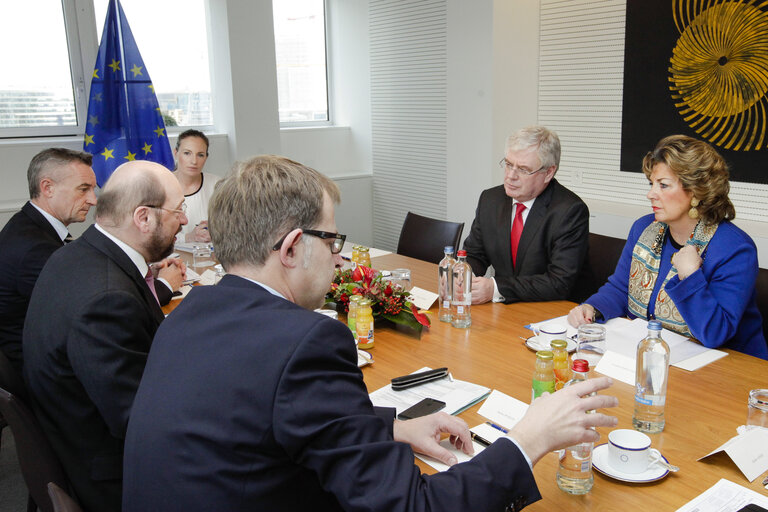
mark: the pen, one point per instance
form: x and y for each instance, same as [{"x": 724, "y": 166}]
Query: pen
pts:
[
  {"x": 765, "y": 481},
  {"x": 497, "y": 427},
  {"x": 479, "y": 440}
]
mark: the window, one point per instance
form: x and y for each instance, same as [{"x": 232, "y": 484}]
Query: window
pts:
[
  {"x": 302, "y": 86},
  {"x": 173, "y": 41},
  {"x": 42, "y": 89}
]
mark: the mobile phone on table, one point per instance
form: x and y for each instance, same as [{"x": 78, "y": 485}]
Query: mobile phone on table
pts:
[{"x": 423, "y": 408}]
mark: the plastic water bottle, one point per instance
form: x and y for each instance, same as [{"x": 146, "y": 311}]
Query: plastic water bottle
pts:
[
  {"x": 462, "y": 292},
  {"x": 574, "y": 474},
  {"x": 445, "y": 284},
  {"x": 651, "y": 375}
]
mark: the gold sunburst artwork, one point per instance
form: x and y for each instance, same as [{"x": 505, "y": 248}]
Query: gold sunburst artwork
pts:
[{"x": 718, "y": 71}]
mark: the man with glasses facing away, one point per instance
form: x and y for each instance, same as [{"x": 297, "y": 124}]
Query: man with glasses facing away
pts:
[
  {"x": 90, "y": 324},
  {"x": 532, "y": 230},
  {"x": 250, "y": 400}
]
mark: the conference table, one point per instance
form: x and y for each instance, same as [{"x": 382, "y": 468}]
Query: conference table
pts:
[{"x": 703, "y": 409}]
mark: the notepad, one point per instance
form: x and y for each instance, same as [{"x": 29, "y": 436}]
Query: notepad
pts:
[{"x": 458, "y": 395}]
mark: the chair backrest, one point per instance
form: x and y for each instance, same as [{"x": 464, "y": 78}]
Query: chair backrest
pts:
[
  {"x": 425, "y": 238},
  {"x": 62, "y": 502},
  {"x": 762, "y": 298},
  {"x": 604, "y": 254},
  {"x": 39, "y": 463}
]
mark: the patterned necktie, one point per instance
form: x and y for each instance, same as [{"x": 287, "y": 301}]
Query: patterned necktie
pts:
[
  {"x": 68, "y": 238},
  {"x": 517, "y": 230},
  {"x": 150, "y": 280}
]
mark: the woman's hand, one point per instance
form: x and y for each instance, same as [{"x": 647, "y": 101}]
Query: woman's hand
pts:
[
  {"x": 199, "y": 234},
  {"x": 686, "y": 261},
  {"x": 581, "y": 314}
]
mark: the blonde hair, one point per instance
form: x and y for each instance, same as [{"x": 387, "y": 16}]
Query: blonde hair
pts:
[
  {"x": 262, "y": 200},
  {"x": 701, "y": 170}
]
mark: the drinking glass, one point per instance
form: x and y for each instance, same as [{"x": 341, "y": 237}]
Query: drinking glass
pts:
[
  {"x": 590, "y": 343},
  {"x": 401, "y": 276},
  {"x": 201, "y": 256},
  {"x": 758, "y": 408}
]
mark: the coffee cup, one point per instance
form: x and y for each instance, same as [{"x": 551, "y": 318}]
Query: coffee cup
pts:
[
  {"x": 629, "y": 451},
  {"x": 549, "y": 331}
]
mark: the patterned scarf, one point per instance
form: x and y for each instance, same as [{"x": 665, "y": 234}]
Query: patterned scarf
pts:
[{"x": 644, "y": 270}]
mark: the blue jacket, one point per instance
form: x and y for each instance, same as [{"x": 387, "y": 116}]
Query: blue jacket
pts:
[{"x": 718, "y": 301}]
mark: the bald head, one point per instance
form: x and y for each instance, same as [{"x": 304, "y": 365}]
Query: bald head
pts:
[{"x": 134, "y": 184}]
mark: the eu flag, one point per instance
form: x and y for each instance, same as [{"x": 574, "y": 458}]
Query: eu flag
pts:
[{"x": 124, "y": 119}]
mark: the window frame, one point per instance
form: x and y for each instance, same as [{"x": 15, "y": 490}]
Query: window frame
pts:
[
  {"x": 75, "y": 14},
  {"x": 328, "y": 82}
]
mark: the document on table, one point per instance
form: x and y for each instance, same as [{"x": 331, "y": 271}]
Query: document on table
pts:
[
  {"x": 749, "y": 451},
  {"x": 724, "y": 496},
  {"x": 457, "y": 395},
  {"x": 421, "y": 298},
  {"x": 622, "y": 336}
]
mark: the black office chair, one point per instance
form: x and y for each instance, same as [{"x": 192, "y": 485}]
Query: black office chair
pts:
[
  {"x": 62, "y": 502},
  {"x": 39, "y": 463},
  {"x": 762, "y": 298},
  {"x": 425, "y": 238}
]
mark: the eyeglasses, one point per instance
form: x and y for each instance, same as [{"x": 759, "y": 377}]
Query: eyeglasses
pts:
[
  {"x": 510, "y": 168},
  {"x": 181, "y": 211},
  {"x": 338, "y": 239}
]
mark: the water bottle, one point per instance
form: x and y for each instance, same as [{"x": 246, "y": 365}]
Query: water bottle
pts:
[
  {"x": 651, "y": 375},
  {"x": 462, "y": 292},
  {"x": 445, "y": 284},
  {"x": 574, "y": 474}
]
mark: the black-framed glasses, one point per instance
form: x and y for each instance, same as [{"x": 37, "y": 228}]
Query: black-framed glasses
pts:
[
  {"x": 336, "y": 246},
  {"x": 510, "y": 168},
  {"x": 182, "y": 210}
]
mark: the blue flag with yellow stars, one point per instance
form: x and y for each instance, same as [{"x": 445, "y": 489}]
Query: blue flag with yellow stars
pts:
[{"x": 124, "y": 119}]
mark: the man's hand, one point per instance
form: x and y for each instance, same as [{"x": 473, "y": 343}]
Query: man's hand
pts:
[
  {"x": 581, "y": 314},
  {"x": 199, "y": 234},
  {"x": 482, "y": 290},
  {"x": 423, "y": 434},
  {"x": 686, "y": 261},
  {"x": 565, "y": 416},
  {"x": 173, "y": 270}
]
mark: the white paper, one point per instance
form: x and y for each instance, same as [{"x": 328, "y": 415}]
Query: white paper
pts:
[
  {"x": 749, "y": 451},
  {"x": 502, "y": 409},
  {"x": 724, "y": 496},
  {"x": 703, "y": 359},
  {"x": 423, "y": 299},
  {"x": 485, "y": 431},
  {"x": 208, "y": 278},
  {"x": 617, "y": 366},
  {"x": 457, "y": 395}
]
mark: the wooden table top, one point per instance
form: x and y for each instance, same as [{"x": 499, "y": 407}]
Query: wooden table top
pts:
[{"x": 703, "y": 407}]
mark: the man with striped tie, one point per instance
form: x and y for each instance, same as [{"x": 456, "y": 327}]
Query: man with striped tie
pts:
[{"x": 61, "y": 191}]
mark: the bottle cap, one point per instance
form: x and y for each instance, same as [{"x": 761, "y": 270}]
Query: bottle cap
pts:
[
  {"x": 580, "y": 365},
  {"x": 654, "y": 325},
  {"x": 448, "y": 249},
  {"x": 558, "y": 344},
  {"x": 462, "y": 252},
  {"x": 545, "y": 354}
]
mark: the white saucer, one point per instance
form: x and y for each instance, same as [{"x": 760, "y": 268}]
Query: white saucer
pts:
[
  {"x": 600, "y": 463},
  {"x": 363, "y": 358},
  {"x": 533, "y": 344}
]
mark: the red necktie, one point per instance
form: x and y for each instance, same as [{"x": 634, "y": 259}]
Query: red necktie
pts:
[
  {"x": 517, "y": 230},
  {"x": 150, "y": 279}
]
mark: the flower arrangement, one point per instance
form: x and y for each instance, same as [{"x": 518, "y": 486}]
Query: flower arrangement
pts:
[{"x": 389, "y": 301}]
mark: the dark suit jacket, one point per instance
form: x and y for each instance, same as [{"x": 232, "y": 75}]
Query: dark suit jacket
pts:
[
  {"x": 552, "y": 254},
  {"x": 90, "y": 325},
  {"x": 26, "y": 243},
  {"x": 249, "y": 402}
]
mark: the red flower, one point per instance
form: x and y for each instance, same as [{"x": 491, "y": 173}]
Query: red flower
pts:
[
  {"x": 357, "y": 274},
  {"x": 388, "y": 290},
  {"x": 420, "y": 317}
]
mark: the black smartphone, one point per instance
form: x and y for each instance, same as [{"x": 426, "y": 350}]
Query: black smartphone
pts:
[
  {"x": 426, "y": 406},
  {"x": 752, "y": 508}
]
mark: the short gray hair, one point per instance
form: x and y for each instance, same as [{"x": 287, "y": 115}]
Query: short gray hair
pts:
[
  {"x": 118, "y": 202},
  {"x": 261, "y": 200},
  {"x": 546, "y": 142},
  {"x": 48, "y": 161}
]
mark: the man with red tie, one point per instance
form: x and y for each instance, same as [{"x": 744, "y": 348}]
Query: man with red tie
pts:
[{"x": 532, "y": 230}]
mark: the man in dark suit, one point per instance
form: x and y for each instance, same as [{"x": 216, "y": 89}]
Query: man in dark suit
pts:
[
  {"x": 61, "y": 191},
  {"x": 532, "y": 230},
  {"x": 252, "y": 401},
  {"x": 91, "y": 320}
]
